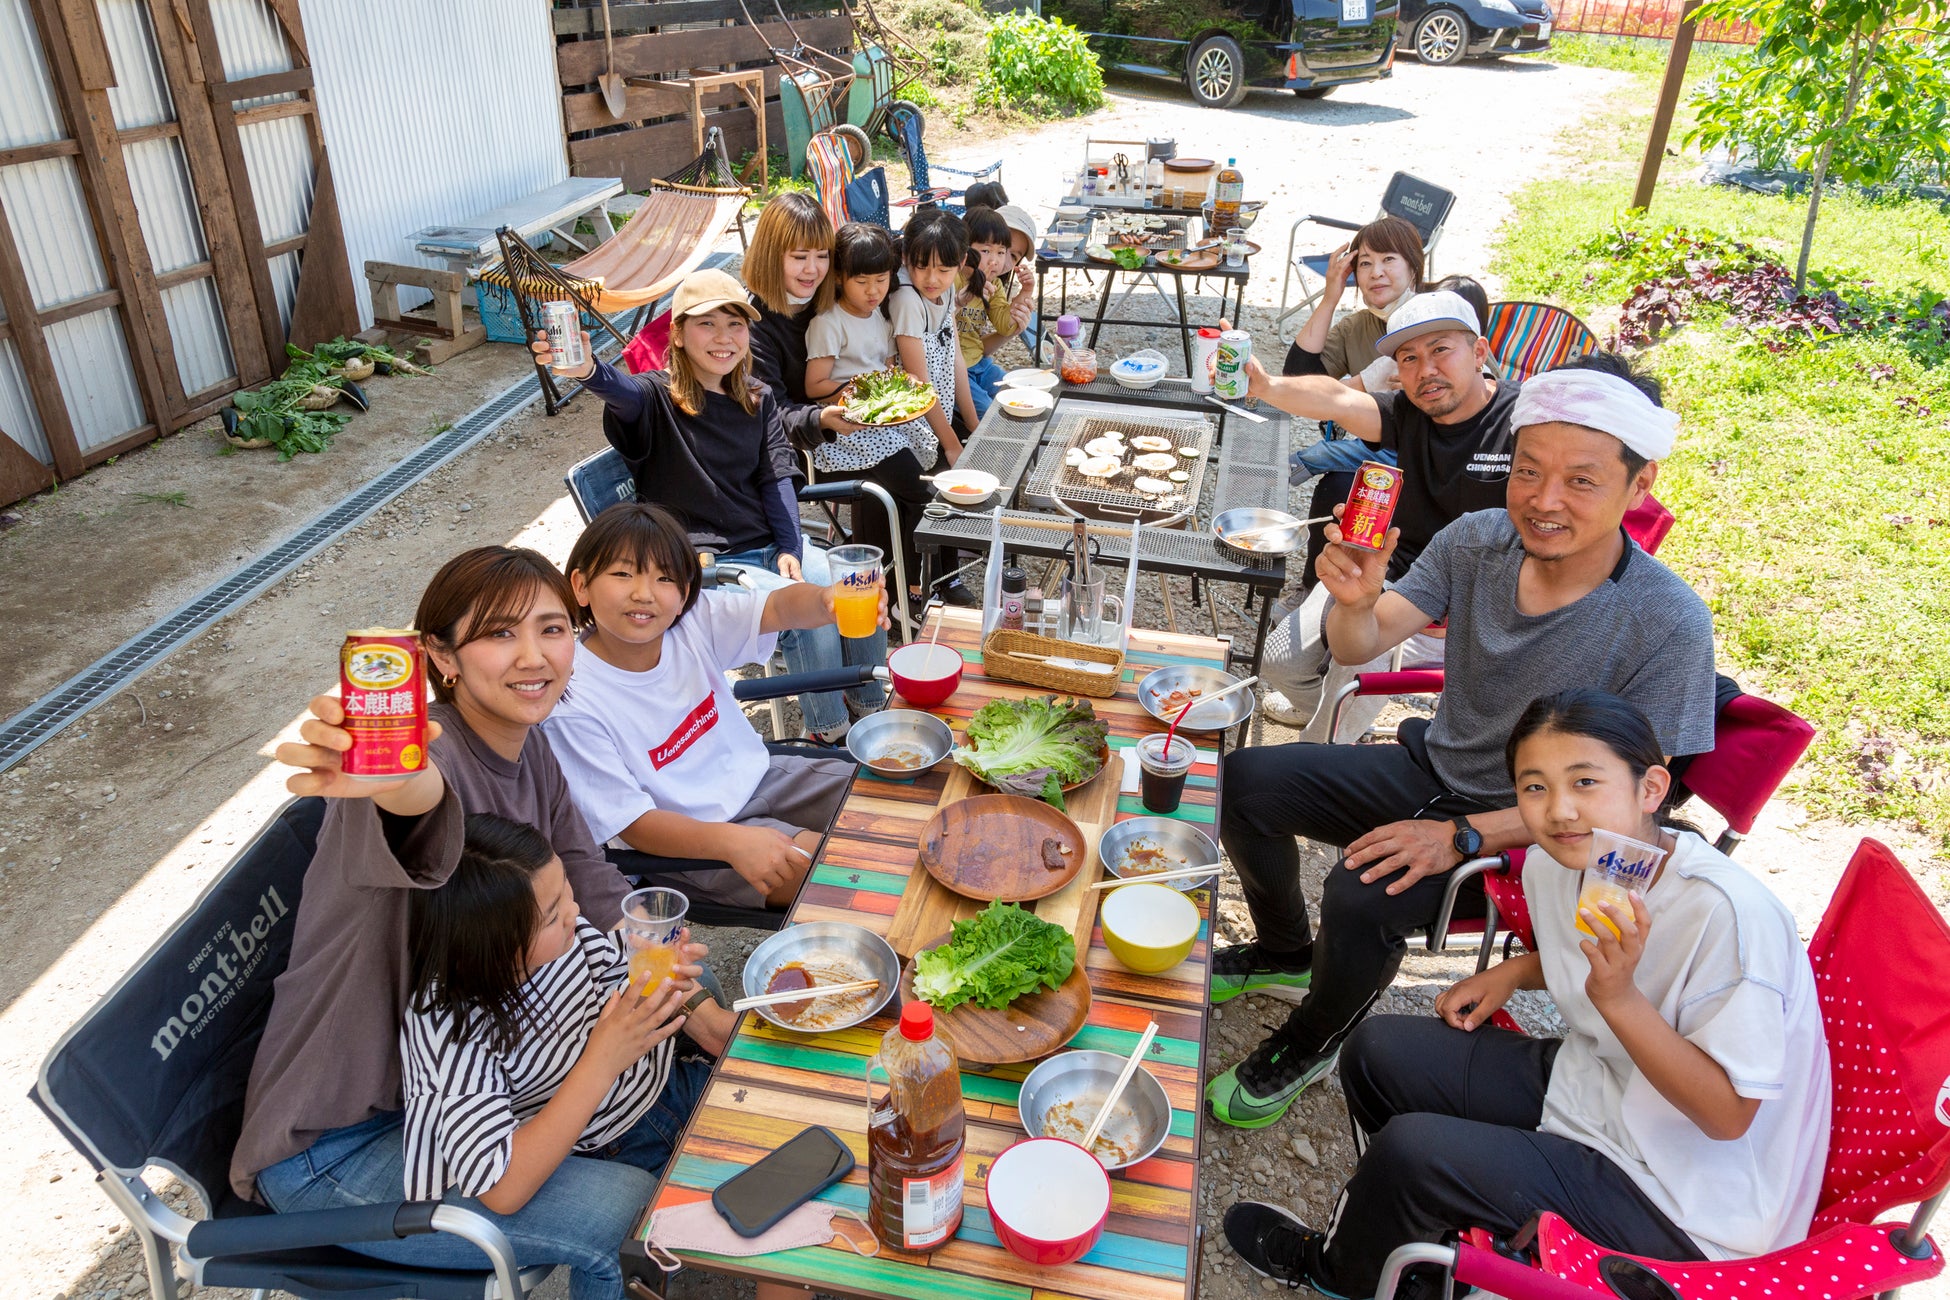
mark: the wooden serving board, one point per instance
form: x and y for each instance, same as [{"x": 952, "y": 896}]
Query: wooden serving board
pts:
[{"x": 1032, "y": 1026}]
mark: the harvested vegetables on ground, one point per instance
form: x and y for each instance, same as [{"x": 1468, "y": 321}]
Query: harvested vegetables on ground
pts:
[
  {"x": 887, "y": 397},
  {"x": 998, "y": 955},
  {"x": 1034, "y": 746}
]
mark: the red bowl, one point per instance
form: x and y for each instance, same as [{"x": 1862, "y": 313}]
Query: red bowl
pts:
[
  {"x": 1057, "y": 1187},
  {"x": 925, "y": 675}
]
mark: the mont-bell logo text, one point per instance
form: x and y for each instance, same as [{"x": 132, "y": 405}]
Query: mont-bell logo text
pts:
[
  {"x": 698, "y": 721},
  {"x": 226, "y": 961}
]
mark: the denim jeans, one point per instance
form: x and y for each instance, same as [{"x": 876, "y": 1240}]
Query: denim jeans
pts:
[
  {"x": 1335, "y": 455},
  {"x": 577, "y": 1218},
  {"x": 807, "y": 649},
  {"x": 984, "y": 377}
]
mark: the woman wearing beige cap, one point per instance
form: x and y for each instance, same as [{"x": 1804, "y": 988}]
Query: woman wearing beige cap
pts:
[{"x": 703, "y": 438}]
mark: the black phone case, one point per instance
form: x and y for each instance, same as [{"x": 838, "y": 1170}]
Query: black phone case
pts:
[{"x": 757, "y": 1230}]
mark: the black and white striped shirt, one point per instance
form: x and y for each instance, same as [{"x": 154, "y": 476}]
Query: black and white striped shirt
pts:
[{"x": 464, "y": 1101}]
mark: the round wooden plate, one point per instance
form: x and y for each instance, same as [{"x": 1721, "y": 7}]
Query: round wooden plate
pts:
[
  {"x": 1203, "y": 260},
  {"x": 1032, "y": 1026},
  {"x": 990, "y": 847}
]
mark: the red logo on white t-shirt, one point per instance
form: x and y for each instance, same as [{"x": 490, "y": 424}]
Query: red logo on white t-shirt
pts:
[{"x": 698, "y": 721}]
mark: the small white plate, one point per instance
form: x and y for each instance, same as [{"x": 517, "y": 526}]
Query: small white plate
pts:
[
  {"x": 1024, "y": 403},
  {"x": 1030, "y": 377}
]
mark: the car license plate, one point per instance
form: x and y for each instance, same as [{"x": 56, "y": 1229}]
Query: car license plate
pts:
[
  {"x": 1353, "y": 11},
  {"x": 1543, "y": 31}
]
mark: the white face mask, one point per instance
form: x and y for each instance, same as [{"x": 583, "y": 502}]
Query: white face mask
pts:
[
  {"x": 1389, "y": 309},
  {"x": 797, "y": 301}
]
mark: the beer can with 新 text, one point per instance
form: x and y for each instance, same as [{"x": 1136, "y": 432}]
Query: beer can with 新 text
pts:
[
  {"x": 1371, "y": 505},
  {"x": 563, "y": 321},
  {"x": 383, "y": 687},
  {"x": 1205, "y": 354},
  {"x": 1229, "y": 375}
]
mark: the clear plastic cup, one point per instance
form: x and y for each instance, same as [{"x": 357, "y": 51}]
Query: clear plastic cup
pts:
[
  {"x": 1161, "y": 774},
  {"x": 1620, "y": 866},
  {"x": 857, "y": 582},
  {"x": 1235, "y": 246},
  {"x": 653, "y": 921}
]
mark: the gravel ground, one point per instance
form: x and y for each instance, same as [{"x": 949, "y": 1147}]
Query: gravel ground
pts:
[{"x": 189, "y": 797}]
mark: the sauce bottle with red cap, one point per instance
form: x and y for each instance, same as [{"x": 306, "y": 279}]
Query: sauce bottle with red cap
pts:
[{"x": 915, "y": 1135}]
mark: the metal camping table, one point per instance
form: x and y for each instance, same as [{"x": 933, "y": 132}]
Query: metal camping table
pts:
[
  {"x": 1232, "y": 288},
  {"x": 1251, "y": 461},
  {"x": 466, "y": 244},
  {"x": 772, "y": 1083}
]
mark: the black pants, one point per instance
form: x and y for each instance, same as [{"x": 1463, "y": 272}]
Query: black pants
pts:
[
  {"x": 900, "y": 474},
  {"x": 1335, "y": 794},
  {"x": 1330, "y": 490},
  {"x": 1447, "y": 1123}
]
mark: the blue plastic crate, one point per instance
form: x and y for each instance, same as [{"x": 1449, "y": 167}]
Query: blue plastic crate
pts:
[{"x": 503, "y": 318}]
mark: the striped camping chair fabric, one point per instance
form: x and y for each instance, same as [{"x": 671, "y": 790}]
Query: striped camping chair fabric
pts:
[
  {"x": 830, "y": 164},
  {"x": 1528, "y": 338}
]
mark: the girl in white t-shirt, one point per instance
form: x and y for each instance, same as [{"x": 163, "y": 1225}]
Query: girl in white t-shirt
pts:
[
  {"x": 658, "y": 755},
  {"x": 934, "y": 245},
  {"x": 1684, "y": 1114}
]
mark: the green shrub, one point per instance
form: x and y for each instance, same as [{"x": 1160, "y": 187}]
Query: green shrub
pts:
[{"x": 1043, "y": 65}]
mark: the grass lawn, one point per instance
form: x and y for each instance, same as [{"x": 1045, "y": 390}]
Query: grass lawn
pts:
[{"x": 1812, "y": 485}]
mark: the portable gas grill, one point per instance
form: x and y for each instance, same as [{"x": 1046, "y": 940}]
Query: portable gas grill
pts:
[{"x": 1055, "y": 484}]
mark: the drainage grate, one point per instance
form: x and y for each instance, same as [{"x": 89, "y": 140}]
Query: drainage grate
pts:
[{"x": 40, "y": 722}]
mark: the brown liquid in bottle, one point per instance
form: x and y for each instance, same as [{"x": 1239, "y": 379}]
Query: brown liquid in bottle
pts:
[{"x": 915, "y": 1138}]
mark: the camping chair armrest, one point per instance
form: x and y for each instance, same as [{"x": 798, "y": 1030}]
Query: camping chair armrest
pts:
[
  {"x": 977, "y": 174},
  {"x": 1334, "y": 222},
  {"x": 933, "y": 194},
  {"x": 254, "y": 1234},
  {"x": 1411, "y": 681},
  {"x": 752, "y": 689},
  {"x": 844, "y": 489},
  {"x": 1468, "y": 871}
]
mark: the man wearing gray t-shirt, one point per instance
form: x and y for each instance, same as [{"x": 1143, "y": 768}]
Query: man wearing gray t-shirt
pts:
[{"x": 1542, "y": 596}]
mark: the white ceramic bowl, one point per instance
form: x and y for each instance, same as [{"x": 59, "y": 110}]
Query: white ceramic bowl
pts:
[
  {"x": 1025, "y": 403},
  {"x": 1031, "y": 377},
  {"x": 966, "y": 487}
]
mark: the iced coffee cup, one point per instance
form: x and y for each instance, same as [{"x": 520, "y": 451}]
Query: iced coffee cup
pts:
[{"x": 1619, "y": 867}]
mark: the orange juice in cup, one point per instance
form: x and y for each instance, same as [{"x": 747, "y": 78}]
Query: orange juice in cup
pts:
[
  {"x": 653, "y": 924},
  {"x": 1619, "y": 866},
  {"x": 857, "y": 584}
]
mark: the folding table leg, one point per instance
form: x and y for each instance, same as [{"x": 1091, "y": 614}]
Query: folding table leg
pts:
[
  {"x": 1103, "y": 307},
  {"x": 1164, "y": 592},
  {"x": 1185, "y": 335}
]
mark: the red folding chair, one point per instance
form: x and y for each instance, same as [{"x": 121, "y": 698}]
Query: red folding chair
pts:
[{"x": 1882, "y": 961}]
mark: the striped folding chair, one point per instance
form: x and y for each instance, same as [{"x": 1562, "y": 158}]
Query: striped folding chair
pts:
[{"x": 1528, "y": 338}]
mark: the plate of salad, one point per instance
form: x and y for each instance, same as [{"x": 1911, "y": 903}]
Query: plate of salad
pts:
[
  {"x": 1042, "y": 746},
  {"x": 1006, "y": 985},
  {"x": 886, "y": 397}
]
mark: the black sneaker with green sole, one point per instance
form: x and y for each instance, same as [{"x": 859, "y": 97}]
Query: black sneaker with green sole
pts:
[{"x": 1240, "y": 968}]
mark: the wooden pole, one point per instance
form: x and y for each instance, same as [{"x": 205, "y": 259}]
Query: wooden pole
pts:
[{"x": 1655, "y": 143}]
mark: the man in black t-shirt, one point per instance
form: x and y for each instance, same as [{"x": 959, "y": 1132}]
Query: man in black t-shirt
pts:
[{"x": 1449, "y": 426}]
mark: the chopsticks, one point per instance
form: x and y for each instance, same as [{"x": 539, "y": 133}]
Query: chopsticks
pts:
[
  {"x": 802, "y": 995},
  {"x": 1117, "y": 1089},
  {"x": 1181, "y": 873}
]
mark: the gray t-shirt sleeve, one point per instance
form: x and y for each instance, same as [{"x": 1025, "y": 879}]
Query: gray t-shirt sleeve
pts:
[
  {"x": 1675, "y": 686},
  {"x": 909, "y": 313},
  {"x": 1429, "y": 583}
]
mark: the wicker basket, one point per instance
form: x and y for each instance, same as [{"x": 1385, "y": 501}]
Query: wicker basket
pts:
[{"x": 997, "y": 661}]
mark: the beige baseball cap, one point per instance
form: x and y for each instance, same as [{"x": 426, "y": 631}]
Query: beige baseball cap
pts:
[
  {"x": 703, "y": 291},
  {"x": 1019, "y": 221}
]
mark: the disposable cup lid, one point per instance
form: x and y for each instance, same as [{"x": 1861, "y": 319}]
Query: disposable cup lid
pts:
[{"x": 1182, "y": 754}]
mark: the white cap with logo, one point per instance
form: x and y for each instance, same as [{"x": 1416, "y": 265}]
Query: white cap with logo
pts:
[{"x": 1427, "y": 313}]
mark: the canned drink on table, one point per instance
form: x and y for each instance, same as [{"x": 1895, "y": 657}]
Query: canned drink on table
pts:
[
  {"x": 1205, "y": 350},
  {"x": 1371, "y": 505},
  {"x": 563, "y": 321},
  {"x": 383, "y": 686},
  {"x": 1229, "y": 376}
]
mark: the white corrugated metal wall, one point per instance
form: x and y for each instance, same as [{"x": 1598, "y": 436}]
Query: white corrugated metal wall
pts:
[{"x": 431, "y": 115}]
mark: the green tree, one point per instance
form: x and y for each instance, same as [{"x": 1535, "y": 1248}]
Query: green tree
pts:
[{"x": 1857, "y": 90}]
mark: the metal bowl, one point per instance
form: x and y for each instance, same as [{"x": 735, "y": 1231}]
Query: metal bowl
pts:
[
  {"x": 1265, "y": 545},
  {"x": 836, "y": 950},
  {"x": 1081, "y": 1081},
  {"x": 1232, "y": 710},
  {"x": 1249, "y": 212},
  {"x": 872, "y": 735},
  {"x": 1180, "y": 839}
]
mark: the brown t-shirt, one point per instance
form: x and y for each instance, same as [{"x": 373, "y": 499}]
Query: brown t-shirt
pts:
[{"x": 330, "y": 1053}]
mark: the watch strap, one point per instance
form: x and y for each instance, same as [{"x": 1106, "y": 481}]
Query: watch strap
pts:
[{"x": 697, "y": 999}]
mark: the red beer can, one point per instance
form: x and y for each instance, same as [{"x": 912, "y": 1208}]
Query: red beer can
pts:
[
  {"x": 383, "y": 686},
  {"x": 1364, "y": 523}
]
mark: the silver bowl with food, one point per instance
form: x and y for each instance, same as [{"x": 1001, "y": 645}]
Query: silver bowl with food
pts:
[
  {"x": 1063, "y": 1094},
  {"x": 822, "y": 952},
  {"x": 1284, "y": 536},
  {"x": 1142, "y": 846},
  {"x": 1249, "y": 211},
  {"x": 1165, "y": 691},
  {"x": 899, "y": 744}
]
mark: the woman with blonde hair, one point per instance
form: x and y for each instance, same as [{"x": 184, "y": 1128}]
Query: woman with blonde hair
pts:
[{"x": 788, "y": 269}]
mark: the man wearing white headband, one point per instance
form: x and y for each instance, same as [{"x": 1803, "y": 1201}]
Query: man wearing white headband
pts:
[{"x": 1545, "y": 594}]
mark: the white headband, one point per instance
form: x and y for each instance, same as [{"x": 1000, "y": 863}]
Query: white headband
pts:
[{"x": 1598, "y": 401}]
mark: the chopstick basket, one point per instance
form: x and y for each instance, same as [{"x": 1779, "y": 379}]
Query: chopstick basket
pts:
[{"x": 999, "y": 661}]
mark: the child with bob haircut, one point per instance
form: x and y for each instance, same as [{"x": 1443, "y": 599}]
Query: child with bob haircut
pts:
[
  {"x": 992, "y": 306},
  {"x": 933, "y": 247},
  {"x": 1684, "y": 1114},
  {"x": 658, "y": 755}
]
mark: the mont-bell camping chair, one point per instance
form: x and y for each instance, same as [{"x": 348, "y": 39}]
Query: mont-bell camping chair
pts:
[
  {"x": 1881, "y": 959},
  {"x": 1422, "y": 205},
  {"x": 907, "y": 126},
  {"x": 1528, "y": 338},
  {"x": 154, "y": 1074}
]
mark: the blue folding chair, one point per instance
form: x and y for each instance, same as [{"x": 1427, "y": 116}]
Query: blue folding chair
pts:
[
  {"x": 155, "y": 1074},
  {"x": 1420, "y": 204},
  {"x": 907, "y": 126}
]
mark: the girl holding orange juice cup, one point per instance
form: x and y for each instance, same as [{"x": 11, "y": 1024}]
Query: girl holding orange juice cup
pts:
[{"x": 658, "y": 755}]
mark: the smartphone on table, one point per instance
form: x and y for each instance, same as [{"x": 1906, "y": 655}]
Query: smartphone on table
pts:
[{"x": 754, "y": 1200}]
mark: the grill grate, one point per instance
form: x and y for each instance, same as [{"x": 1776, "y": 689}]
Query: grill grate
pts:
[
  {"x": 1057, "y": 482},
  {"x": 41, "y": 721}
]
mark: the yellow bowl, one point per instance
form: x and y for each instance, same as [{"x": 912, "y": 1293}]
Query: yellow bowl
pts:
[{"x": 1149, "y": 928}]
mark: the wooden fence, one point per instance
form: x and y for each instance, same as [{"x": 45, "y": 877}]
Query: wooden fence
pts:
[{"x": 1657, "y": 19}]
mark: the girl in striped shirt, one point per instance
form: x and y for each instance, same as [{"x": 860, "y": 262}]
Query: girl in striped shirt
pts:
[{"x": 535, "y": 1082}]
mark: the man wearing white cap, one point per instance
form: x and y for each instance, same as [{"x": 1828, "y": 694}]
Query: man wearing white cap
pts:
[
  {"x": 1546, "y": 594},
  {"x": 1449, "y": 424}
]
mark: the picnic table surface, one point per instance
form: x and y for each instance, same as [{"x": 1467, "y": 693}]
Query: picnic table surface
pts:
[
  {"x": 772, "y": 1083},
  {"x": 472, "y": 237}
]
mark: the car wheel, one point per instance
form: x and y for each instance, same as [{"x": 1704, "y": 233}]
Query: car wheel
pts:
[
  {"x": 1314, "y": 92},
  {"x": 1441, "y": 37},
  {"x": 1216, "y": 73}
]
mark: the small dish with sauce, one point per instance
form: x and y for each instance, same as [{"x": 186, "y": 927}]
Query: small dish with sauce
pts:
[{"x": 901, "y": 744}]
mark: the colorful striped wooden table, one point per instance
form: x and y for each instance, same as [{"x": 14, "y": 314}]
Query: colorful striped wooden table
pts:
[{"x": 773, "y": 1083}]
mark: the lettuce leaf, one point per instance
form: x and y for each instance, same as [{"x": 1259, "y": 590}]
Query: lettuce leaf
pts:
[
  {"x": 1034, "y": 746},
  {"x": 993, "y": 958}
]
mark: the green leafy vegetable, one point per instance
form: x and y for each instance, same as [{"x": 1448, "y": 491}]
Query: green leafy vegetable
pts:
[
  {"x": 1033, "y": 746},
  {"x": 993, "y": 958},
  {"x": 1129, "y": 258},
  {"x": 887, "y": 397}
]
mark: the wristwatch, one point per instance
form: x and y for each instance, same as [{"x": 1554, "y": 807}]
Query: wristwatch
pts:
[
  {"x": 1467, "y": 840},
  {"x": 699, "y": 996}
]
